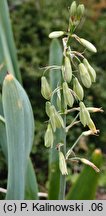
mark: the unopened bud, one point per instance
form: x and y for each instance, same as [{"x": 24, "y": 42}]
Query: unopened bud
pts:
[
  {"x": 67, "y": 70},
  {"x": 55, "y": 118},
  {"x": 73, "y": 9},
  {"x": 49, "y": 137},
  {"x": 77, "y": 88},
  {"x": 59, "y": 99},
  {"x": 88, "y": 45},
  {"x": 45, "y": 88},
  {"x": 92, "y": 126},
  {"x": 80, "y": 11},
  {"x": 58, "y": 120},
  {"x": 52, "y": 117},
  {"x": 89, "y": 163},
  {"x": 90, "y": 69},
  {"x": 84, "y": 114},
  {"x": 56, "y": 34},
  {"x": 85, "y": 77},
  {"x": 68, "y": 97},
  {"x": 48, "y": 105},
  {"x": 62, "y": 164}
]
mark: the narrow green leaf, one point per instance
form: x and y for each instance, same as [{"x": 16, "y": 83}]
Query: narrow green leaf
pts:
[
  {"x": 7, "y": 41},
  {"x": 3, "y": 139},
  {"x": 1, "y": 106},
  {"x": 20, "y": 131},
  {"x": 31, "y": 192},
  {"x": 2, "y": 60},
  {"x": 86, "y": 184},
  {"x": 31, "y": 189}
]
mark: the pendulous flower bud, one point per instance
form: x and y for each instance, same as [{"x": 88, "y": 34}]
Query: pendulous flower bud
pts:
[
  {"x": 68, "y": 97},
  {"x": 88, "y": 45},
  {"x": 77, "y": 88},
  {"x": 56, "y": 34},
  {"x": 73, "y": 9},
  {"x": 48, "y": 105},
  {"x": 67, "y": 70},
  {"x": 80, "y": 11},
  {"x": 52, "y": 118},
  {"x": 58, "y": 120},
  {"x": 59, "y": 99},
  {"x": 48, "y": 139},
  {"x": 62, "y": 164},
  {"x": 45, "y": 88},
  {"x": 90, "y": 69},
  {"x": 92, "y": 126},
  {"x": 85, "y": 77},
  {"x": 84, "y": 114}
]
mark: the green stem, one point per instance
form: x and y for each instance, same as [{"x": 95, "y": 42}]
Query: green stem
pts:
[
  {"x": 68, "y": 127},
  {"x": 76, "y": 141},
  {"x": 62, "y": 177},
  {"x": 63, "y": 149},
  {"x": 71, "y": 149}
]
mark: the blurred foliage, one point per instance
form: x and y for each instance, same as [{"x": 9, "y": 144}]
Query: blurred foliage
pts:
[{"x": 32, "y": 21}]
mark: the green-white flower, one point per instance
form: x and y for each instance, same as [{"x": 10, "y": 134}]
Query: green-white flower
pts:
[
  {"x": 48, "y": 105},
  {"x": 85, "y": 77},
  {"x": 80, "y": 11},
  {"x": 90, "y": 70},
  {"x": 73, "y": 9},
  {"x": 58, "y": 120},
  {"x": 62, "y": 164},
  {"x": 48, "y": 139},
  {"x": 55, "y": 118},
  {"x": 56, "y": 34},
  {"x": 92, "y": 126},
  {"x": 45, "y": 88},
  {"x": 77, "y": 88},
  {"x": 68, "y": 97},
  {"x": 52, "y": 118},
  {"x": 88, "y": 45},
  {"x": 67, "y": 70},
  {"x": 84, "y": 114}
]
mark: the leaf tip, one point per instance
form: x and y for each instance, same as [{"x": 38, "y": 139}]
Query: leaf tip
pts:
[{"x": 9, "y": 77}]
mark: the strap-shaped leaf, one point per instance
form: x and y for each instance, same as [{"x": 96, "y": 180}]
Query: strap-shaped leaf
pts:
[
  {"x": 20, "y": 132},
  {"x": 3, "y": 139},
  {"x": 85, "y": 186},
  {"x": 31, "y": 189},
  {"x": 8, "y": 48}
]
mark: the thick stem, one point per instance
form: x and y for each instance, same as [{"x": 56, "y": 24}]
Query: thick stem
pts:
[
  {"x": 63, "y": 149},
  {"x": 55, "y": 80},
  {"x": 63, "y": 177}
]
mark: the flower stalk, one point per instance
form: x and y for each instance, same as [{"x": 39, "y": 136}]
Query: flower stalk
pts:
[{"x": 68, "y": 88}]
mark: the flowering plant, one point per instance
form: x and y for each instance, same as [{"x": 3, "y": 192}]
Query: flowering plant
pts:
[{"x": 76, "y": 75}]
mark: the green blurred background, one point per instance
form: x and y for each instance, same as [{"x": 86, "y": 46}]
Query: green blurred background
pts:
[{"x": 32, "y": 21}]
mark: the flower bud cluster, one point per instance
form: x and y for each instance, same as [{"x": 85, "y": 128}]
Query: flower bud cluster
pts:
[
  {"x": 55, "y": 121},
  {"x": 76, "y": 12}
]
